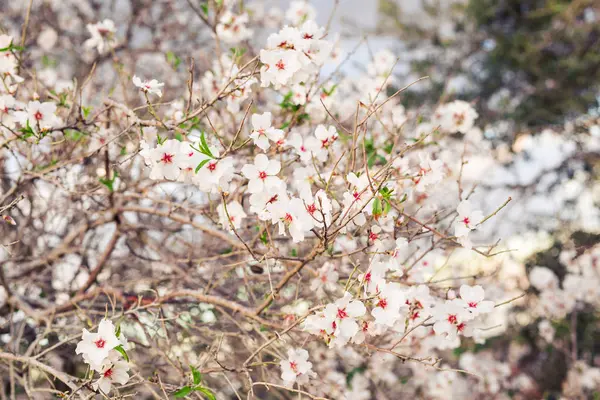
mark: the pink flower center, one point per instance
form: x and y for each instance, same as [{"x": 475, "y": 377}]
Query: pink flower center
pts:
[
  {"x": 273, "y": 199},
  {"x": 280, "y": 65},
  {"x": 473, "y": 304},
  {"x": 356, "y": 196},
  {"x": 38, "y": 116},
  {"x": 100, "y": 343},
  {"x": 373, "y": 236},
  {"x": 311, "y": 208},
  {"x": 307, "y": 36},
  {"x": 341, "y": 313},
  {"x": 288, "y": 218},
  {"x": 466, "y": 221},
  {"x": 108, "y": 373},
  {"x": 459, "y": 118},
  {"x": 382, "y": 303},
  {"x": 452, "y": 319},
  {"x": 262, "y": 175},
  {"x": 294, "y": 366},
  {"x": 212, "y": 166},
  {"x": 167, "y": 158},
  {"x": 461, "y": 327}
]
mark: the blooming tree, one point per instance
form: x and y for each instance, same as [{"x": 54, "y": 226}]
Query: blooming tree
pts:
[{"x": 255, "y": 223}]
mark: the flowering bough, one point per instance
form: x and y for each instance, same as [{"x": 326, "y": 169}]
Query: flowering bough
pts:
[{"x": 254, "y": 223}]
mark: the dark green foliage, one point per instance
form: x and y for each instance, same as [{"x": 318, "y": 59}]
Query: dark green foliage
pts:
[{"x": 548, "y": 45}]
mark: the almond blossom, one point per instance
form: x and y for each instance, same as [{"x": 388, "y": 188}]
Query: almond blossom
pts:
[
  {"x": 472, "y": 298},
  {"x": 236, "y": 215},
  {"x": 263, "y": 132},
  {"x": 165, "y": 160},
  {"x": 262, "y": 174},
  {"x": 388, "y": 303},
  {"x": 152, "y": 86},
  {"x": 232, "y": 28},
  {"x": 452, "y": 320},
  {"x": 95, "y": 347},
  {"x": 297, "y": 368},
  {"x": 467, "y": 220},
  {"x": 115, "y": 370},
  {"x": 102, "y": 36},
  {"x": 340, "y": 319},
  {"x": 39, "y": 116}
]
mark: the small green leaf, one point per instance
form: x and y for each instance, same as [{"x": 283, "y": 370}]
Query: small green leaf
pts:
[
  {"x": 196, "y": 375},
  {"x": 204, "y": 148},
  {"x": 201, "y": 165},
  {"x": 121, "y": 350},
  {"x": 206, "y": 392},
  {"x": 86, "y": 111},
  {"x": 184, "y": 391},
  {"x": 178, "y": 137},
  {"x": 173, "y": 59},
  {"x": 377, "y": 207},
  {"x": 263, "y": 238},
  {"x": 204, "y": 8},
  {"x": 12, "y": 47}
]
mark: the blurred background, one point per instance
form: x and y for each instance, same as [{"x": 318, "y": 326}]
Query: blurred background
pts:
[{"x": 531, "y": 68}]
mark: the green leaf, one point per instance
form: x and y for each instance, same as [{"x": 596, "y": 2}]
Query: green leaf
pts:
[
  {"x": 27, "y": 131},
  {"x": 263, "y": 238},
  {"x": 160, "y": 140},
  {"x": 330, "y": 91},
  {"x": 73, "y": 134},
  {"x": 121, "y": 350},
  {"x": 196, "y": 375},
  {"x": 12, "y": 47},
  {"x": 184, "y": 391},
  {"x": 173, "y": 59},
  {"x": 201, "y": 165},
  {"x": 178, "y": 137},
  {"x": 49, "y": 62},
  {"x": 377, "y": 207},
  {"x": 206, "y": 392},
  {"x": 237, "y": 51},
  {"x": 118, "y": 333},
  {"x": 205, "y": 146},
  {"x": 86, "y": 111},
  {"x": 204, "y": 8}
]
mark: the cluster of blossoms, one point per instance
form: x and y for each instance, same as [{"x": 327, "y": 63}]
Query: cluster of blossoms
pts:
[
  {"x": 394, "y": 310},
  {"x": 103, "y": 36},
  {"x": 578, "y": 287},
  {"x": 293, "y": 56},
  {"x": 9, "y": 66},
  {"x": 103, "y": 351}
]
